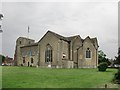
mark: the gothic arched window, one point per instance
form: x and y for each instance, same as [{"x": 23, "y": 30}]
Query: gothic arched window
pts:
[
  {"x": 20, "y": 42},
  {"x": 23, "y": 59},
  {"x": 88, "y": 53},
  {"x": 31, "y": 60},
  {"x": 48, "y": 53}
]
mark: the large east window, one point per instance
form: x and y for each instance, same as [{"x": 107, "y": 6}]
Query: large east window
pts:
[
  {"x": 48, "y": 53},
  {"x": 88, "y": 53}
]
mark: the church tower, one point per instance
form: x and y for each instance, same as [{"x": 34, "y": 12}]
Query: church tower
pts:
[{"x": 21, "y": 41}]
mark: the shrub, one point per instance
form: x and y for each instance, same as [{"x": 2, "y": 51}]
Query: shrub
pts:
[
  {"x": 102, "y": 66},
  {"x": 117, "y": 77}
]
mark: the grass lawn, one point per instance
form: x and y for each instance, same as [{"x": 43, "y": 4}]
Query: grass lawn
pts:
[{"x": 31, "y": 77}]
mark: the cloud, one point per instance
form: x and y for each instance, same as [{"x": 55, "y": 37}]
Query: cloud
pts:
[{"x": 96, "y": 19}]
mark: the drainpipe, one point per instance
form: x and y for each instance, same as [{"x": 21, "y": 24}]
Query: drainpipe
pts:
[
  {"x": 72, "y": 46},
  {"x": 72, "y": 43},
  {"x": 77, "y": 59},
  {"x": 38, "y": 55},
  {"x": 96, "y": 57},
  {"x": 69, "y": 50}
]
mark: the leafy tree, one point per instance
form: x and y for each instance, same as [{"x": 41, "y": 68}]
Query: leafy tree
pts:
[
  {"x": 102, "y": 57},
  {"x": 116, "y": 78},
  {"x": 117, "y": 58},
  {"x": 117, "y": 75},
  {"x": 3, "y": 58}
]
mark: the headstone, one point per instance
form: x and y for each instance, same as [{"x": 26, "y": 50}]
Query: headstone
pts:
[{"x": 49, "y": 65}]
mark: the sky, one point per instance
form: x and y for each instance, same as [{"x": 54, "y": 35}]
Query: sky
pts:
[{"x": 94, "y": 19}]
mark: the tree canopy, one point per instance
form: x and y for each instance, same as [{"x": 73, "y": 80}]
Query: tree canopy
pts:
[
  {"x": 117, "y": 61},
  {"x": 102, "y": 57},
  {"x": 2, "y": 58}
]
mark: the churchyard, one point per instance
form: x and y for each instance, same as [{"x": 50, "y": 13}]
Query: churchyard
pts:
[{"x": 32, "y": 77}]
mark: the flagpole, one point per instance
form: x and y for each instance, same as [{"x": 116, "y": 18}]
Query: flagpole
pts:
[{"x": 28, "y": 32}]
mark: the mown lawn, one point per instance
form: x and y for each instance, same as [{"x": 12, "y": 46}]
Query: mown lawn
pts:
[{"x": 31, "y": 77}]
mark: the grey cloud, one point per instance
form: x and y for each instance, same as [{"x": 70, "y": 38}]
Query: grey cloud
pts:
[{"x": 88, "y": 18}]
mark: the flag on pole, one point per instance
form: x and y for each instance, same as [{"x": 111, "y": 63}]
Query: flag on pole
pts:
[
  {"x": 1, "y": 29},
  {"x": 28, "y": 29},
  {"x": 1, "y": 16}
]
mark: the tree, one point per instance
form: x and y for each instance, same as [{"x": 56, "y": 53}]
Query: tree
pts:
[
  {"x": 116, "y": 78},
  {"x": 117, "y": 58},
  {"x": 2, "y": 59},
  {"x": 117, "y": 75},
  {"x": 102, "y": 57}
]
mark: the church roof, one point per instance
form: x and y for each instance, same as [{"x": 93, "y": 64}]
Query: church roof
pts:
[
  {"x": 26, "y": 38},
  {"x": 93, "y": 40},
  {"x": 29, "y": 45},
  {"x": 72, "y": 37},
  {"x": 62, "y": 37},
  {"x": 68, "y": 39},
  {"x": 59, "y": 36}
]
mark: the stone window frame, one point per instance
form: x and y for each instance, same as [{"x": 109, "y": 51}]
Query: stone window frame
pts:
[
  {"x": 23, "y": 59},
  {"x": 20, "y": 42},
  {"x": 32, "y": 60},
  {"x": 88, "y": 53},
  {"x": 29, "y": 42},
  {"x": 48, "y": 54},
  {"x": 63, "y": 56}
]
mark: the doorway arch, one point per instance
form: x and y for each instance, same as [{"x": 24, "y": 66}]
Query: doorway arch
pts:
[{"x": 28, "y": 64}]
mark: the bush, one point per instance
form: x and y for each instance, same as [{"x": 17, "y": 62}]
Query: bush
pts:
[
  {"x": 117, "y": 77},
  {"x": 102, "y": 66}
]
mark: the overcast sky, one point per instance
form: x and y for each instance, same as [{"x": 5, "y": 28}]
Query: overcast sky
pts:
[{"x": 94, "y": 19}]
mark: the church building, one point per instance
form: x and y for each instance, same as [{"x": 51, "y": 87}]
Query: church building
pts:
[{"x": 56, "y": 51}]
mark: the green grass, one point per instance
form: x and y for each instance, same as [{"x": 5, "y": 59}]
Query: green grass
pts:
[{"x": 30, "y": 77}]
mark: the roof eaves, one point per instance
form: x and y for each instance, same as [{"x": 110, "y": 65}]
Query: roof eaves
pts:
[{"x": 35, "y": 44}]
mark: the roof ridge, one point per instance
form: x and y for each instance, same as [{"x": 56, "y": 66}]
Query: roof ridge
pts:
[
  {"x": 27, "y": 38},
  {"x": 59, "y": 36},
  {"x": 32, "y": 44},
  {"x": 74, "y": 36},
  {"x": 55, "y": 33}
]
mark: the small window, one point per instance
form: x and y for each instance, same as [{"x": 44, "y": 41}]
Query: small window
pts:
[
  {"x": 88, "y": 53},
  {"x": 30, "y": 53},
  {"x": 64, "y": 55},
  {"x": 23, "y": 54},
  {"x": 48, "y": 53},
  {"x": 23, "y": 59},
  {"x": 31, "y": 60},
  {"x": 29, "y": 42},
  {"x": 20, "y": 42}
]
